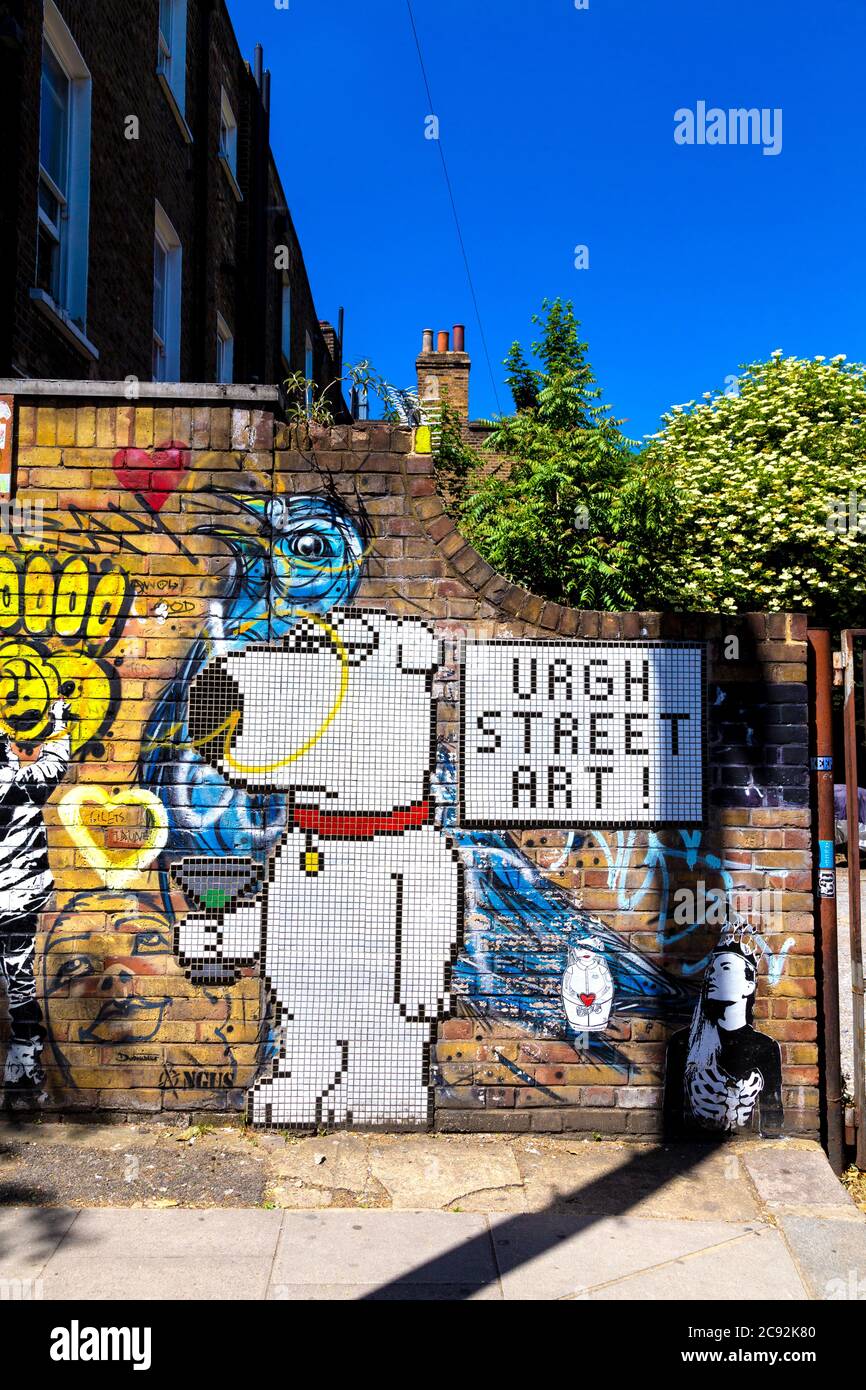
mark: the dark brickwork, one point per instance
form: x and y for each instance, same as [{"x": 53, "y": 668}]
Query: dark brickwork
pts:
[{"x": 228, "y": 245}]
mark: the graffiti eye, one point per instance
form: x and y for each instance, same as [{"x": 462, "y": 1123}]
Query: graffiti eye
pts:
[
  {"x": 150, "y": 943},
  {"x": 309, "y": 545},
  {"x": 74, "y": 968}
]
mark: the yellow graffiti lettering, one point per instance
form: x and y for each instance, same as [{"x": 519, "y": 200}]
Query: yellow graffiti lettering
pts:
[
  {"x": 38, "y": 595},
  {"x": 109, "y": 606},
  {"x": 10, "y": 593},
  {"x": 78, "y": 601},
  {"x": 72, "y": 593}
]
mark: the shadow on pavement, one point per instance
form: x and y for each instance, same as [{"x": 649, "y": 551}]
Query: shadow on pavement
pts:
[{"x": 522, "y": 1238}]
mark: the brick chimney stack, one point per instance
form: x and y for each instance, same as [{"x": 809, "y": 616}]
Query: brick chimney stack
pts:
[{"x": 444, "y": 372}]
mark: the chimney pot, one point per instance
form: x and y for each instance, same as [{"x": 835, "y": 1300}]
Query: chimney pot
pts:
[
  {"x": 459, "y": 337},
  {"x": 442, "y": 345},
  {"x": 427, "y": 340}
]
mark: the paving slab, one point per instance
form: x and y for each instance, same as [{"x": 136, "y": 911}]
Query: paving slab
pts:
[
  {"x": 443, "y": 1175},
  {"x": 388, "y": 1293},
  {"x": 383, "y": 1247},
  {"x": 649, "y": 1180},
  {"x": 553, "y": 1255},
  {"x": 831, "y": 1255},
  {"x": 754, "y": 1266},
  {"x": 29, "y": 1236},
  {"x": 233, "y": 1277},
  {"x": 189, "y": 1236},
  {"x": 794, "y": 1175}
]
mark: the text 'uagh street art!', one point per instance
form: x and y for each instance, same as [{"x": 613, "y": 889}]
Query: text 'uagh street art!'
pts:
[{"x": 582, "y": 733}]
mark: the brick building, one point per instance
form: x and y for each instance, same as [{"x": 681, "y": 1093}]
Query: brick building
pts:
[{"x": 145, "y": 231}]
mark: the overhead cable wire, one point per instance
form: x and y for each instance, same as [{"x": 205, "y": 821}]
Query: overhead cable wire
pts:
[{"x": 453, "y": 202}]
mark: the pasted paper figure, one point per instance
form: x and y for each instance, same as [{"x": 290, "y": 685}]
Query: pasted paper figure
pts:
[
  {"x": 357, "y": 924},
  {"x": 721, "y": 1073},
  {"x": 587, "y": 987},
  {"x": 25, "y": 876}
]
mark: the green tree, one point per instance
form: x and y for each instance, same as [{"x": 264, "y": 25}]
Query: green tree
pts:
[
  {"x": 565, "y": 516},
  {"x": 770, "y": 486}
]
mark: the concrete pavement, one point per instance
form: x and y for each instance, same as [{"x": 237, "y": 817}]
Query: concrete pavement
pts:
[{"x": 431, "y": 1217}]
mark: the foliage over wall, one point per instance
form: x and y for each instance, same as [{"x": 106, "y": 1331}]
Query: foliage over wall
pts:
[
  {"x": 767, "y": 488},
  {"x": 745, "y": 501}
]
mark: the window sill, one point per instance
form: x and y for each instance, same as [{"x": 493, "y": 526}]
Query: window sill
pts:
[
  {"x": 175, "y": 109},
  {"x": 233, "y": 183},
  {"x": 63, "y": 322}
]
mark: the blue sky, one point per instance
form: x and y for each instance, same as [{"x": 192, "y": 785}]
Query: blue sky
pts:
[{"x": 558, "y": 129}]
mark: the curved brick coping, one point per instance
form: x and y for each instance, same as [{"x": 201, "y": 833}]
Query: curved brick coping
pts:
[{"x": 518, "y": 604}]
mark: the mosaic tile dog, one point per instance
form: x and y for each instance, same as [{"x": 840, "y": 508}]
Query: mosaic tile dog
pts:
[{"x": 357, "y": 922}]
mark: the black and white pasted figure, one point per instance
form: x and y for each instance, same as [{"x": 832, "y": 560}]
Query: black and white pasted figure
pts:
[
  {"x": 358, "y": 922},
  {"x": 587, "y": 987},
  {"x": 721, "y": 1073},
  {"x": 26, "y": 885}
]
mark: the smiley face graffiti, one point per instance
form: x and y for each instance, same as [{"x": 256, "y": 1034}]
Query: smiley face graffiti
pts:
[
  {"x": 58, "y": 622},
  {"x": 32, "y": 678}
]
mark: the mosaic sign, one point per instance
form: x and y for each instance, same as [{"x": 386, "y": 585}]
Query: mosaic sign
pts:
[{"x": 575, "y": 734}]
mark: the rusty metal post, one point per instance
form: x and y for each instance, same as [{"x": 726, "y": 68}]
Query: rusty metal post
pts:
[
  {"x": 825, "y": 887},
  {"x": 854, "y": 904}
]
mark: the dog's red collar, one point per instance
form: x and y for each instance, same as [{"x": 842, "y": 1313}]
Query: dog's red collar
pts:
[{"x": 354, "y": 825}]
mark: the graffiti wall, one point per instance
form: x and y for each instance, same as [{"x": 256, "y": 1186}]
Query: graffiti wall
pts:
[{"x": 310, "y": 816}]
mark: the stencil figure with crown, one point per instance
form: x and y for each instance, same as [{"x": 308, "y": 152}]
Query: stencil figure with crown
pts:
[{"x": 722, "y": 1074}]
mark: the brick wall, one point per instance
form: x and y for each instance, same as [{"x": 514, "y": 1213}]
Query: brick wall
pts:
[{"x": 129, "y": 1031}]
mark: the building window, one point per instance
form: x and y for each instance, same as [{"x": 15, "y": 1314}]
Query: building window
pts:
[
  {"x": 64, "y": 171},
  {"x": 225, "y": 359},
  {"x": 167, "y": 278},
  {"x": 308, "y": 373},
  {"x": 171, "y": 49},
  {"x": 286, "y": 323},
  {"x": 228, "y": 134}
]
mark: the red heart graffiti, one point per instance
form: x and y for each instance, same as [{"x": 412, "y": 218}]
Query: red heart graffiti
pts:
[
  {"x": 587, "y": 999},
  {"x": 154, "y": 476}
]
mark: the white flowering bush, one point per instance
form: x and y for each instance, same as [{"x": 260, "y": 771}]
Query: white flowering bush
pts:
[{"x": 770, "y": 494}]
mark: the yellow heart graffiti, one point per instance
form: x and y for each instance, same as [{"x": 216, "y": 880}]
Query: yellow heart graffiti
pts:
[{"x": 117, "y": 868}]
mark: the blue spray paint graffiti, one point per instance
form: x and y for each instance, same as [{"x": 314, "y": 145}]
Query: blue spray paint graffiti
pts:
[
  {"x": 518, "y": 932},
  {"x": 659, "y": 863}
]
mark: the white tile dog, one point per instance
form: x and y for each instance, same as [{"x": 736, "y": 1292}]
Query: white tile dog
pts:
[{"x": 358, "y": 923}]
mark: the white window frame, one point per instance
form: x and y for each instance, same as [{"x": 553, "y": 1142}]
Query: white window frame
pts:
[
  {"x": 166, "y": 335},
  {"x": 228, "y": 147},
  {"x": 171, "y": 52},
  {"x": 286, "y": 321},
  {"x": 73, "y": 232},
  {"x": 308, "y": 373},
  {"x": 225, "y": 360}
]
